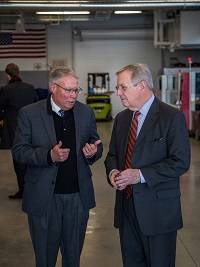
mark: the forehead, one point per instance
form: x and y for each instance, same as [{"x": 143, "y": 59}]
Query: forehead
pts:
[
  {"x": 68, "y": 80},
  {"x": 125, "y": 75}
]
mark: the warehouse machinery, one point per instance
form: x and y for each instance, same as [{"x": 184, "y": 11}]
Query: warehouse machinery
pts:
[
  {"x": 181, "y": 89},
  {"x": 99, "y": 95}
]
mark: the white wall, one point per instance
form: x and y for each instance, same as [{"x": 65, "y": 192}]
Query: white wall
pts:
[
  {"x": 93, "y": 56},
  {"x": 59, "y": 42},
  {"x": 110, "y": 56},
  {"x": 190, "y": 27}
]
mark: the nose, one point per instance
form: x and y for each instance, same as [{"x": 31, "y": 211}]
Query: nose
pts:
[{"x": 119, "y": 93}]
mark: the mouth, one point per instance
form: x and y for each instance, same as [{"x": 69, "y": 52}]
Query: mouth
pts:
[{"x": 70, "y": 102}]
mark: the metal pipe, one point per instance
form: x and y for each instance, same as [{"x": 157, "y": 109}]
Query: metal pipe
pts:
[{"x": 113, "y": 6}]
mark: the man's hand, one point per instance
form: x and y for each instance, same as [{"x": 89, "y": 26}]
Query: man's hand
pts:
[
  {"x": 129, "y": 176},
  {"x": 113, "y": 175},
  {"x": 90, "y": 149},
  {"x": 59, "y": 154}
]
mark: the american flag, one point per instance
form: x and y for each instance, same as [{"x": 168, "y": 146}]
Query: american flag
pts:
[{"x": 30, "y": 44}]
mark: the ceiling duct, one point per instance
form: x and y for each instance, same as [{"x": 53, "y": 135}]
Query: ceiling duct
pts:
[
  {"x": 102, "y": 14},
  {"x": 115, "y": 34}
]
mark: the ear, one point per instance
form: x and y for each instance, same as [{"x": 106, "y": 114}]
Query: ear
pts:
[
  {"x": 143, "y": 84},
  {"x": 8, "y": 77},
  {"x": 52, "y": 87}
]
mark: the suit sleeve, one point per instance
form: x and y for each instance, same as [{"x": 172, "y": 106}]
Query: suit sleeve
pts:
[
  {"x": 111, "y": 162},
  {"x": 23, "y": 150},
  {"x": 94, "y": 137}
]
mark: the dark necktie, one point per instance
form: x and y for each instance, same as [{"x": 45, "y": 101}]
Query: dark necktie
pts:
[
  {"x": 62, "y": 112},
  {"x": 131, "y": 142}
]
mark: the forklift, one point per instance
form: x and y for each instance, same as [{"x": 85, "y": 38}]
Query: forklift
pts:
[{"x": 99, "y": 95}]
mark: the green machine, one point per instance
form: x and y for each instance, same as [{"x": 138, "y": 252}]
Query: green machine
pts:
[{"x": 99, "y": 95}]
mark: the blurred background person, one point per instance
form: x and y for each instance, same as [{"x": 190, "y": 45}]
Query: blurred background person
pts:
[{"x": 13, "y": 96}]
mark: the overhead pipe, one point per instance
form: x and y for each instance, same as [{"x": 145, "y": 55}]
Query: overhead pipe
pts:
[{"x": 95, "y": 6}]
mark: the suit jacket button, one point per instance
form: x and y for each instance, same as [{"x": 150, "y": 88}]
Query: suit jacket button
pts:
[{"x": 52, "y": 182}]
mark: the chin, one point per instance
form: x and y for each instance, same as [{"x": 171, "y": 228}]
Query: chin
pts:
[{"x": 125, "y": 104}]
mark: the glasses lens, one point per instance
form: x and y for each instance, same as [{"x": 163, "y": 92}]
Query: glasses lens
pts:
[
  {"x": 76, "y": 91},
  {"x": 79, "y": 90}
]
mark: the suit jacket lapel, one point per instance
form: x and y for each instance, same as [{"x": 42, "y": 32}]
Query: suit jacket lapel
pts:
[
  {"x": 49, "y": 124},
  {"x": 126, "y": 125},
  {"x": 77, "y": 121},
  {"x": 150, "y": 119}
]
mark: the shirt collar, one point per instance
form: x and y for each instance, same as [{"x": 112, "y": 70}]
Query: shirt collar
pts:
[
  {"x": 55, "y": 108},
  {"x": 15, "y": 79},
  {"x": 144, "y": 110}
]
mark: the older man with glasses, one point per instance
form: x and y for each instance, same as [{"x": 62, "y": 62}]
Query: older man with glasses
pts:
[
  {"x": 57, "y": 139},
  {"x": 149, "y": 151}
]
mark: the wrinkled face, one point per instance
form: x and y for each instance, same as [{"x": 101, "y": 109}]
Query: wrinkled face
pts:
[
  {"x": 64, "y": 99},
  {"x": 130, "y": 93}
]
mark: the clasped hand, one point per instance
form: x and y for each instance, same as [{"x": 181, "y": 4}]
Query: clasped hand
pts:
[{"x": 120, "y": 180}]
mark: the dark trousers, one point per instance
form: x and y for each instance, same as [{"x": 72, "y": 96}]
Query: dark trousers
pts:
[
  {"x": 139, "y": 250},
  {"x": 64, "y": 226},
  {"x": 20, "y": 170}
]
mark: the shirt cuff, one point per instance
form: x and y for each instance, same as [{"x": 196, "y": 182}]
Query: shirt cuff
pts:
[
  {"x": 142, "y": 180},
  {"x": 49, "y": 159}
]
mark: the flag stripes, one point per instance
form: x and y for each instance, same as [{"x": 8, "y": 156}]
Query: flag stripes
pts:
[{"x": 30, "y": 44}]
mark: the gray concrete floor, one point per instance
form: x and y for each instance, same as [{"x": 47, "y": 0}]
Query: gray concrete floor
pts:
[{"x": 101, "y": 248}]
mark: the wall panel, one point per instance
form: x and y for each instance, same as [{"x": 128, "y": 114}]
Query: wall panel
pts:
[{"x": 110, "y": 56}]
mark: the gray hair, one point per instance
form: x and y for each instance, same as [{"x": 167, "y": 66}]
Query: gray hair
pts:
[
  {"x": 140, "y": 72},
  {"x": 59, "y": 72}
]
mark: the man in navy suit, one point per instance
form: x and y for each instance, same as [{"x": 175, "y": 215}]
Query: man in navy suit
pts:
[
  {"x": 57, "y": 139},
  {"x": 148, "y": 220}
]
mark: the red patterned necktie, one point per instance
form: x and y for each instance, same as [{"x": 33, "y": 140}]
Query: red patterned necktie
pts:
[{"x": 131, "y": 142}]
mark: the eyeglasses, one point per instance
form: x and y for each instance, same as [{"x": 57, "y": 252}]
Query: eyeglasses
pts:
[
  {"x": 126, "y": 86},
  {"x": 70, "y": 91}
]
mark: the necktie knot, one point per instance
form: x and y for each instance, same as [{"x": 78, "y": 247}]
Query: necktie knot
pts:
[
  {"x": 62, "y": 112},
  {"x": 137, "y": 113}
]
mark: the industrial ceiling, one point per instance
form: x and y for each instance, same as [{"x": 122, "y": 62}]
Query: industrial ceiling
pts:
[{"x": 25, "y": 10}]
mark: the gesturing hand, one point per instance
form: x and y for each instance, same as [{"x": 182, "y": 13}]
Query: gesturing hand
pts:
[
  {"x": 59, "y": 154},
  {"x": 90, "y": 149}
]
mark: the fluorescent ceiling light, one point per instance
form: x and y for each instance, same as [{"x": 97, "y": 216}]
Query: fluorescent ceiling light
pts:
[
  {"x": 127, "y": 12},
  {"x": 45, "y": 1},
  {"x": 63, "y": 12}
]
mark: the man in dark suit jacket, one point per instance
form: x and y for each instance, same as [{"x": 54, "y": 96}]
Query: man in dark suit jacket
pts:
[
  {"x": 13, "y": 96},
  {"x": 149, "y": 219},
  {"x": 58, "y": 140}
]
